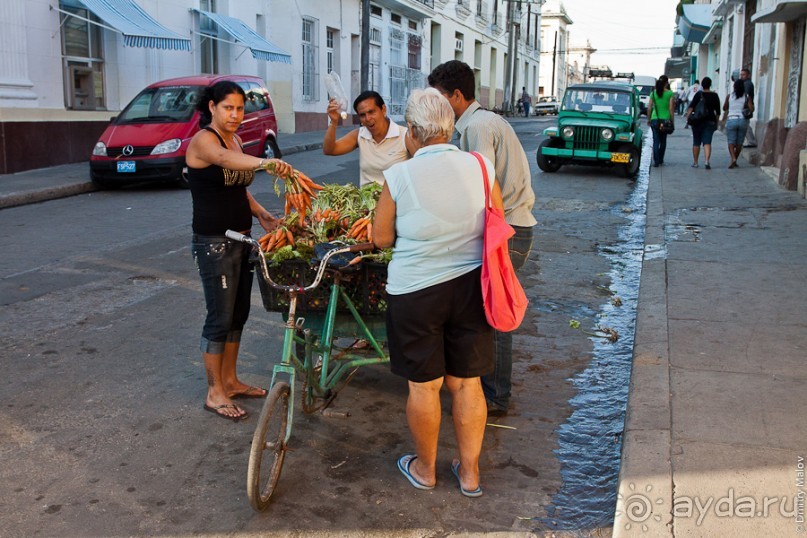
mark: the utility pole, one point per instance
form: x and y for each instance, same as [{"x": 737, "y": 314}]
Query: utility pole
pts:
[
  {"x": 509, "y": 88},
  {"x": 554, "y": 54},
  {"x": 365, "y": 45},
  {"x": 513, "y": 84}
]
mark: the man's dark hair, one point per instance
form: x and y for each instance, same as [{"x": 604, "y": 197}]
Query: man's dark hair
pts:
[
  {"x": 454, "y": 75},
  {"x": 697, "y": 81},
  {"x": 745, "y": 70},
  {"x": 707, "y": 83},
  {"x": 368, "y": 94}
]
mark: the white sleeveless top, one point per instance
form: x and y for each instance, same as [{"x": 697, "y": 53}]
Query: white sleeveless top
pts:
[
  {"x": 439, "y": 217},
  {"x": 736, "y": 106}
]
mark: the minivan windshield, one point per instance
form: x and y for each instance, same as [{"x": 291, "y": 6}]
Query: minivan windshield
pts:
[
  {"x": 166, "y": 104},
  {"x": 597, "y": 100},
  {"x": 644, "y": 91}
]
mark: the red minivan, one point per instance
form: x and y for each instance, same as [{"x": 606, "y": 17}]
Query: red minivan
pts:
[{"x": 148, "y": 140}]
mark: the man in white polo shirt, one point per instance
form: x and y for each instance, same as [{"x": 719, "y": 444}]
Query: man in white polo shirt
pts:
[{"x": 381, "y": 141}]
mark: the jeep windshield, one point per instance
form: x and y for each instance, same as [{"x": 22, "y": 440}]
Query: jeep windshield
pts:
[
  {"x": 168, "y": 104},
  {"x": 597, "y": 100}
]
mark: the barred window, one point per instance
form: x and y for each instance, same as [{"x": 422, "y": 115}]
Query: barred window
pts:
[{"x": 310, "y": 79}]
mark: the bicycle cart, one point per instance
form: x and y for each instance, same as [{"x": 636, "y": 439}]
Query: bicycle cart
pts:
[{"x": 336, "y": 300}]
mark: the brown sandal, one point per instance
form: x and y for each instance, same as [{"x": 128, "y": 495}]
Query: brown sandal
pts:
[{"x": 217, "y": 411}]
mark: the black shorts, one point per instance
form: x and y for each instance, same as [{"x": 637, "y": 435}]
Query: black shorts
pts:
[{"x": 440, "y": 330}]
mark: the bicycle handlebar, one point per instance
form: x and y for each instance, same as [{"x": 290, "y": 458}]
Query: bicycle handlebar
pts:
[
  {"x": 362, "y": 247},
  {"x": 236, "y": 236}
]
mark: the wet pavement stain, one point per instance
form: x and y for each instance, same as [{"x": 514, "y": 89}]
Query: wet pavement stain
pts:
[{"x": 590, "y": 441}]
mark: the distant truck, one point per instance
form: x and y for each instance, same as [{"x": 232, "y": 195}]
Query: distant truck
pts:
[{"x": 645, "y": 85}]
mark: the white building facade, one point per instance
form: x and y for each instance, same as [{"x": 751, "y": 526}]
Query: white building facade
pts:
[
  {"x": 769, "y": 38},
  {"x": 555, "y": 24},
  {"x": 69, "y": 65}
]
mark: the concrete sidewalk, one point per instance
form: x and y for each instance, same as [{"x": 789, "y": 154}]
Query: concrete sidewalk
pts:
[
  {"x": 34, "y": 186},
  {"x": 715, "y": 435}
]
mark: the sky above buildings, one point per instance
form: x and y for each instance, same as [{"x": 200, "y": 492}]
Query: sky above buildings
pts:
[{"x": 629, "y": 35}]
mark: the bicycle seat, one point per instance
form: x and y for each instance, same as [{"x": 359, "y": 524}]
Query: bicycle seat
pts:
[{"x": 339, "y": 261}]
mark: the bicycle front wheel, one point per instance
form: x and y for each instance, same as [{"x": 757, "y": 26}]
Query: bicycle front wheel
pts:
[{"x": 268, "y": 447}]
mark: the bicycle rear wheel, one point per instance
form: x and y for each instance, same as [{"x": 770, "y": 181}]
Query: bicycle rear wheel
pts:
[{"x": 268, "y": 447}]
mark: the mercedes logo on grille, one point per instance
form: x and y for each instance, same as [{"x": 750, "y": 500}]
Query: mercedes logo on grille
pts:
[{"x": 128, "y": 149}]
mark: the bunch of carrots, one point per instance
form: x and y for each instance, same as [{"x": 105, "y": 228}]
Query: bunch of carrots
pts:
[
  {"x": 300, "y": 190},
  {"x": 276, "y": 239},
  {"x": 362, "y": 230},
  {"x": 318, "y": 214}
]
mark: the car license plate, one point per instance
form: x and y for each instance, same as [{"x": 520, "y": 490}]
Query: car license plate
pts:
[
  {"x": 620, "y": 158},
  {"x": 125, "y": 167}
]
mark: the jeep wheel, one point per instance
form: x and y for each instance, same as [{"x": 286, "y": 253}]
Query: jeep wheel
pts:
[
  {"x": 271, "y": 149},
  {"x": 630, "y": 169},
  {"x": 547, "y": 163}
]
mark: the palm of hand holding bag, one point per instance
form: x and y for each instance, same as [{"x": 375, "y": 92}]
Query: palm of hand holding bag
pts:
[{"x": 504, "y": 298}]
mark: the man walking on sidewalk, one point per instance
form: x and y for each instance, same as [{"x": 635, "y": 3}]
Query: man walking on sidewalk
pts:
[
  {"x": 526, "y": 100},
  {"x": 750, "y": 138},
  {"x": 492, "y": 136}
]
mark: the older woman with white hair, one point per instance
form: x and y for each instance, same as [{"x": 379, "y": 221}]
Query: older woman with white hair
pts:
[{"x": 432, "y": 212}]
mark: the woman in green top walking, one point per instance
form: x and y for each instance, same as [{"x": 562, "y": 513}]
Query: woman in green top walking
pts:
[{"x": 660, "y": 113}]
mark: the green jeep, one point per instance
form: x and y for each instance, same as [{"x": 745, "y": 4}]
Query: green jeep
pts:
[{"x": 598, "y": 124}]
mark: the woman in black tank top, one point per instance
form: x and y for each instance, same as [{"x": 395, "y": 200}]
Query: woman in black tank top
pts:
[{"x": 219, "y": 173}]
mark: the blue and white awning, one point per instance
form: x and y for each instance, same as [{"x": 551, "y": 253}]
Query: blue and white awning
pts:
[
  {"x": 243, "y": 34},
  {"x": 695, "y": 22},
  {"x": 137, "y": 26}
]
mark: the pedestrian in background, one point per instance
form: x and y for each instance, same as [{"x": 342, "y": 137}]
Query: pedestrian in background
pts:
[
  {"x": 432, "y": 212},
  {"x": 704, "y": 129},
  {"x": 736, "y": 123},
  {"x": 750, "y": 137},
  {"x": 660, "y": 109},
  {"x": 526, "y": 101},
  {"x": 694, "y": 89},
  {"x": 492, "y": 136},
  {"x": 681, "y": 101}
]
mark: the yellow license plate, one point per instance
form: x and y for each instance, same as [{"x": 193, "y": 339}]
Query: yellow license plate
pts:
[{"x": 620, "y": 158}]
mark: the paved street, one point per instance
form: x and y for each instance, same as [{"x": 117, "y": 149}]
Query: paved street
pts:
[{"x": 103, "y": 431}]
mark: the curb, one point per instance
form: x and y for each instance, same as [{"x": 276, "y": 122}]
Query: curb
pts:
[
  {"x": 301, "y": 148},
  {"x": 645, "y": 468},
  {"x": 15, "y": 199}
]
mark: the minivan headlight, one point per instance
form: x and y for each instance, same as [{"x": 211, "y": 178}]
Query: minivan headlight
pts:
[
  {"x": 99, "y": 150},
  {"x": 169, "y": 146},
  {"x": 568, "y": 132},
  {"x": 607, "y": 135}
]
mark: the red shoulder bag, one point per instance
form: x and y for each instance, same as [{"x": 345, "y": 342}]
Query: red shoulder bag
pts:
[{"x": 504, "y": 298}]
